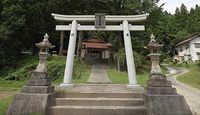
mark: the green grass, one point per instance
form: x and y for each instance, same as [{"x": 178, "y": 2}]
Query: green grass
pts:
[
  {"x": 164, "y": 69},
  {"x": 4, "y": 105},
  {"x": 7, "y": 85},
  {"x": 192, "y": 78},
  {"x": 142, "y": 79},
  {"x": 84, "y": 78},
  {"x": 118, "y": 77}
]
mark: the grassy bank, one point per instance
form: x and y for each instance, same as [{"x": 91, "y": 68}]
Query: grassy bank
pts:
[
  {"x": 13, "y": 78},
  {"x": 191, "y": 78},
  {"x": 4, "y": 104},
  {"x": 118, "y": 77},
  {"x": 7, "y": 85}
]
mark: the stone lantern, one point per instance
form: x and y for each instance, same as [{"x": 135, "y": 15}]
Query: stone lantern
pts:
[
  {"x": 157, "y": 78},
  {"x": 44, "y": 46},
  {"x": 38, "y": 95},
  {"x": 160, "y": 97},
  {"x": 40, "y": 75}
]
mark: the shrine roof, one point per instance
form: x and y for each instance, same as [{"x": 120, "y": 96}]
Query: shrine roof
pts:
[{"x": 96, "y": 44}]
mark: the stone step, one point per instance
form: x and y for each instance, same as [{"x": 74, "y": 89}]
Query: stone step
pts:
[
  {"x": 99, "y": 101},
  {"x": 96, "y": 95},
  {"x": 97, "y": 110}
]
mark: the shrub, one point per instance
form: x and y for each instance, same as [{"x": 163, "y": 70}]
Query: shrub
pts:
[
  {"x": 22, "y": 73},
  {"x": 78, "y": 70},
  {"x": 168, "y": 60},
  {"x": 55, "y": 70},
  {"x": 55, "y": 67}
]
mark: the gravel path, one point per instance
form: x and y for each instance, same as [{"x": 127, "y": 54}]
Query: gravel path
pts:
[
  {"x": 192, "y": 95},
  {"x": 98, "y": 75}
]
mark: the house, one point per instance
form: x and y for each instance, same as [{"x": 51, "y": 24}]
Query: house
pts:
[
  {"x": 96, "y": 50},
  {"x": 188, "y": 50}
]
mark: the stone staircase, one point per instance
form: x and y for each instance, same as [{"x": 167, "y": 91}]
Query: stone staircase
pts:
[{"x": 101, "y": 103}]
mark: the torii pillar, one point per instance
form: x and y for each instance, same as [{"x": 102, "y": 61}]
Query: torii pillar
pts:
[
  {"x": 70, "y": 55},
  {"x": 129, "y": 55}
]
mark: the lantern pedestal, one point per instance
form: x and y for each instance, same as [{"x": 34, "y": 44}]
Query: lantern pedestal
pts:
[
  {"x": 31, "y": 103},
  {"x": 166, "y": 103},
  {"x": 158, "y": 80},
  {"x": 35, "y": 97},
  {"x": 38, "y": 84}
]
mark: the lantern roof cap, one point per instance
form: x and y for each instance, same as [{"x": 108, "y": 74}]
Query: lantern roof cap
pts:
[
  {"x": 45, "y": 43},
  {"x": 153, "y": 44}
]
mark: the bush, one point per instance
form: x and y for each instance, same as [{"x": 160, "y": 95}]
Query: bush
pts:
[
  {"x": 168, "y": 60},
  {"x": 186, "y": 64},
  {"x": 22, "y": 73},
  {"x": 55, "y": 67},
  {"x": 78, "y": 70},
  {"x": 55, "y": 70},
  {"x": 138, "y": 59},
  {"x": 198, "y": 63}
]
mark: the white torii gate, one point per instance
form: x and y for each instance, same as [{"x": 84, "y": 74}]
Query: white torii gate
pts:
[{"x": 125, "y": 27}]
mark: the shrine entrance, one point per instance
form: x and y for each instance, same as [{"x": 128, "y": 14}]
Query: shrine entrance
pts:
[{"x": 100, "y": 24}]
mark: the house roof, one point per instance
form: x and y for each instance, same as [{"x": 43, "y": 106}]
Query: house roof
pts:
[{"x": 187, "y": 40}]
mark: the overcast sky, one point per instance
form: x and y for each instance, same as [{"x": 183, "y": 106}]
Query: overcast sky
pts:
[{"x": 171, "y": 5}]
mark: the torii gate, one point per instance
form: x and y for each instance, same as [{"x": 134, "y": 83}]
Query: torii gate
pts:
[{"x": 74, "y": 27}]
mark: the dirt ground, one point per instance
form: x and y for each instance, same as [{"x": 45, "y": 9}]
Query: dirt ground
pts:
[{"x": 4, "y": 94}]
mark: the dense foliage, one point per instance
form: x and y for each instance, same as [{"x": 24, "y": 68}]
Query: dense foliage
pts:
[
  {"x": 55, "y": 67},
  {"x": 24, "y": 22}
]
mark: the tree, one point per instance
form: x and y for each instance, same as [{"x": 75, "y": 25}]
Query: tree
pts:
[
  {"x": 120, "y": 58},
  {"x": 194, "y": 20},
  {"x": 181, "y": 17},
  {"x": 13, "y": 21}
]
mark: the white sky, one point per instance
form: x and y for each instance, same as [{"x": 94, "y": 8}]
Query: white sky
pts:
[{"x": 171, "y": 5}]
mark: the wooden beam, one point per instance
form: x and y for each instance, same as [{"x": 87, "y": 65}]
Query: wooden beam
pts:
[{"x": 107, "y": 28}]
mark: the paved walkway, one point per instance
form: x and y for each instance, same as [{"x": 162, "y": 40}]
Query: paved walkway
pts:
[
  {"x": 98, "y": 75},
  {"x": 192, "y": 95}
]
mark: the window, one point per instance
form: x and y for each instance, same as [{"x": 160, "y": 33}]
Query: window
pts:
[{"x": 197, "y": 45}]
